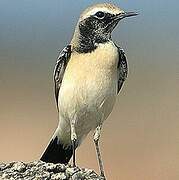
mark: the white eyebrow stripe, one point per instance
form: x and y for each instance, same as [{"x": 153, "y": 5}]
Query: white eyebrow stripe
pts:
[
  {"x": 103, "y": 9},
  {"x": 94, "y": 11}
]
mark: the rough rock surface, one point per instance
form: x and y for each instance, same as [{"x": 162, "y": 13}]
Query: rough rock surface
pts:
[{"x": 39, "y": 170}]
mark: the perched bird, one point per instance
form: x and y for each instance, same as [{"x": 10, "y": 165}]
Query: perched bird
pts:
[{"x": 88, "y": 76}]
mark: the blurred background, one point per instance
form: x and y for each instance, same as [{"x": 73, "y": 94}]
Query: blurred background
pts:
[{"x": 140, "y": 139}]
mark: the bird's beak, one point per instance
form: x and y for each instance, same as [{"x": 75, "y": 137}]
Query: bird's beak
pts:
[
  {"x": 129, "y": 14},
  {"x": 125, "y": 14},
  {"x": 118, "y": 17}
]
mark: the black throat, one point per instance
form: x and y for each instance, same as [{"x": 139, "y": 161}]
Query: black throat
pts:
[{"x": 90, "y": 37}]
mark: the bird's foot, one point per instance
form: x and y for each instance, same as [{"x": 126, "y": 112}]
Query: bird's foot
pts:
[
  {"x": 102, "y": 177},
  {"x": 73, "y": 170}
]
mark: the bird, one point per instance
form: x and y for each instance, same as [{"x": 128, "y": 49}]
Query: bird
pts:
[{"x": 88, "y": 75}]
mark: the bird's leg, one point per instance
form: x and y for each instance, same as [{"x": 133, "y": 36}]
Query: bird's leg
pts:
[
  {"x": 96, "y": 142},
  {"x": 73, "y": 140}
]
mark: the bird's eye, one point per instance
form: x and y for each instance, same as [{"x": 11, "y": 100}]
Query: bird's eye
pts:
[{"x": 100, "y": 15}]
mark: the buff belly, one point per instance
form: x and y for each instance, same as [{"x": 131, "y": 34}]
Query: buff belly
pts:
[
  {"x": 88, "y": 93},
  {"x": 88, "y": 112}
]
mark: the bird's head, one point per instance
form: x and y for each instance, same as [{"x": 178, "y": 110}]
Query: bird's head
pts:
[{"x": 96, "y": 24}]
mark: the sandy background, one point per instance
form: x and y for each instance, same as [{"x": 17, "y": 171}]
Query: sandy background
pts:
[{"x": 140, "y": 140}]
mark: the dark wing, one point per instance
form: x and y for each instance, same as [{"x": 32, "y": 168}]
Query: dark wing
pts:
[
  {"x": 122, "y": 68},
  {"x": 60, "y": 67}
]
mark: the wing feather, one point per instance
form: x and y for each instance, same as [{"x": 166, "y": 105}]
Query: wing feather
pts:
[
  {"x": 59, "y": 69},
  {"x": 122, "y": 69}
]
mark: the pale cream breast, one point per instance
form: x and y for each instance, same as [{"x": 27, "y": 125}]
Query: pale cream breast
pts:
[
  {"x": 89, "y": 78},
  {"x": 88, "y": 90},
  {"x": 103, "y": 58}
]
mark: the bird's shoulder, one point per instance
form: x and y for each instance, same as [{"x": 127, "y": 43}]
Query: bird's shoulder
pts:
[
  {"x": 60, "y": 66},
  {"x": 122, "y": 67}
]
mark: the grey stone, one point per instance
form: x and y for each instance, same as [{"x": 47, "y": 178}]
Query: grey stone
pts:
[
  {"x": 39, "y": 170},
  {"x": 19, "y": 166},
  {"x": 59, "y": 176}
]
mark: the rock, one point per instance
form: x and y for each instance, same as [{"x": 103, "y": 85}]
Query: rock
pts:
[
  {"x": 19, "y": 166},
  {"x": 39, "y": 170}
]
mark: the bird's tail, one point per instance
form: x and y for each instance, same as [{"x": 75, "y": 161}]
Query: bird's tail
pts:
[{"x": 56, "y": 152}]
